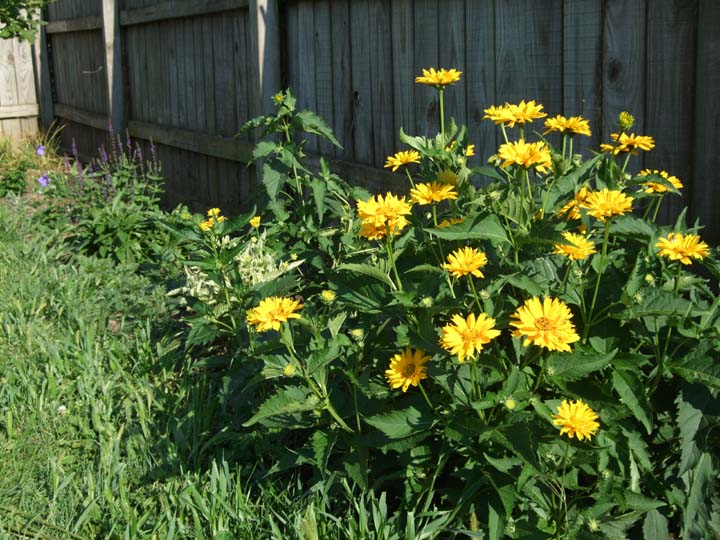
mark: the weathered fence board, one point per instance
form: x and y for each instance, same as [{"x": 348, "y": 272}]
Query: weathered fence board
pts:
[
  {"x": 18, "y": 102},
  {"x": 204, "y": 68}
]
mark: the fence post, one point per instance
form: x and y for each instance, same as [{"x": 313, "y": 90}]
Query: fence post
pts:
[
  {"x": 265, "y": 39},
  {"x": 113, "y": 63}
]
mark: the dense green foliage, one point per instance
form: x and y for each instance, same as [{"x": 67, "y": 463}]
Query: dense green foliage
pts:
[{"x": 18, "y": 18}]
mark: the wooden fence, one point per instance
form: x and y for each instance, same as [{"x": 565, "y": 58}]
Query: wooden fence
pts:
[
  {"x": 18, "y": 103},
  {"x": 188, "y": 73}
]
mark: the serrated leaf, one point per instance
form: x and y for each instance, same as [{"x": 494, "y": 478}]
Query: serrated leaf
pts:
[
  {"x": 273, "y": 180},
  {"x": 262, "y": 149},
  {"x": 632, "y": 226},
  {"x": 699, "y": 365},
  {"x": 691, "y": 404},
  {"x": 632, "y": 392},
  {"x": 293, "y": 399},
  {"x": 336, "y": 323},
  {"x": 310, "y": 122},
  {"x": 368, "y": 270},
  {"x": 319, "y": 188},
  {"x": 489, "y": 172},
  {"x": 524, "y": 283},
  {"x": 401, "y": 423},
  {"x": 322, "y": 443},
  {"x": 487, "y": 228},
  {"x": 655, "y": 526},
  {"x": 576, "y": 364}
]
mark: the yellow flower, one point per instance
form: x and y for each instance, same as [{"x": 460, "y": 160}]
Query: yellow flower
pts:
[
  {"x": 466, "y": 337},
  {"x": 529, "y": 155},
  {"x": 402, "y": 158},
  {"x": 464, "y": 261},
  {"x": 683, "y": 247},
  {"x": 255, "y": 222},
  {"x": 628, "y": 143},
  {"x": 572, "y": 209},
  {"x": 499, "y": 114},
  {"x": 278, "y": 98},
  {"x": 270, "y": 312},
  {"x": 575, "y": 125},
  {"x": 607, "y": 203},
  {"x": 432, "y": 192},
  {"x": 577, "y": 247},
  {"x": 407, "y": 368},
  {"x": 469, "y": 149},
  {"x": 625, "y": 121},
  {"x": 327, "y": 296},
  {"x": 439, "y": 79},
  {"x": 447, "y": 222},
  {"x": 289, "y": 370},
  {"x": 214, "y": 218},
  {"x": 382, "y": 216},
  {"x": 524, "y": 113},
  {"x": 576, "y": 419},
  {"x": 545, "y": 323},
  {"x": 447, "y": 176},
  {"x": 654, "y": 187}
]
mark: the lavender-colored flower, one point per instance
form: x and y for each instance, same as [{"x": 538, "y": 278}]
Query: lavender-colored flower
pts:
[
  {"x": 74, "y": 149},
  {"x": 67, "y": 163},
  {"x": 40, "y": 150},
  {"x": 103, "y": 154},
  {"x": 138, "y": 152},
  {"x": 44, "y": 180}
]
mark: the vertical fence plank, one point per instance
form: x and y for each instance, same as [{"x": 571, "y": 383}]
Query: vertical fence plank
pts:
[
  {"x": 113, "y": 63},
  {"x": 624, "y": 66},
  {"x": 342, "y": 77},
  {"x": 381, "y": 80},
  {"x": 324, "y": 91},
  {"x": 403, "y": 68},
  {"x": 479, "y": 78},
  {"x": 582, "y": 61},
  {"x": 452, "y": 52},
  {"x": 426, "y": 44},
  {"x": 671, "y": 32},
  {"x": 8, "y": 88},
  {"x": 44, "y": 85},
  {"x": 25, "y": 83},
  {"x": 705, "y": 185},
  {"x": 362, "y": 89}
]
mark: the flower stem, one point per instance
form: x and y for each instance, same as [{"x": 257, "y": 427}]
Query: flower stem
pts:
[
  {"x": 565, "y": 137},
  {"x": 427, "y": 398},
  {"x": 412, "y": 183},
  {"x": 391, "y": 258},
  {"x": 676, "y": 288},
  {"x": 442, "y": 114},
  {"x": 329, "y": 407},
  {"x": 589, "y": 321},
  {"x": 475, "y": 294}
]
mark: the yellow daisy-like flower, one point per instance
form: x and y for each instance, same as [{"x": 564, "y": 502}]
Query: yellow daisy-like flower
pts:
[
  {"x": 469, "y": 149},
  {"x": 432, "y": 193},
  {"x": 575, "y": 125},
  {"x": 383, "y": 215},
  {"x": 440, "y": 78},
  {"x": 572, "y": 208},
  {"x": 270, "y": 312},
  {"x": 498, "y": 114},
  {"x": 402, "y": 158},
  {"x": 523, "y": 112},
  {"x": 529, "y": 155},
  {"x": 576, "y": 419},
  {"x": 466, "y": 337},
  {"x": 607, "y": 203},
  {"x": 214, "y": 218},
  {"x": 577, "y": 247},
  {"x": 545, "y": 323},
  {"x": 255, "y": 222},
  {"x": 682, "y": 247},
  {"x": 654, "y": 187},
  {"x": 450, "y": 221},
  {"x": 464, "y": 261},
  {"x": 625, "y": 142},
  {"x": 407, "y": 368}
]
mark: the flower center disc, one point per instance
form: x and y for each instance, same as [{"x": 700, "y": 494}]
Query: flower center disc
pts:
[
  {"x": 409, "y": 370},
  {"x": 543, "y": 323}
]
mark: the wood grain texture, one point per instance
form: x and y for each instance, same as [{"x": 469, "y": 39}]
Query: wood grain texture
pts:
[
  {"x": 178, "y": 9},
  {"x": 342, "y": 119},
  {"x": 705, "y": 184},
  {"x": 623, "y": 66},
  {"x": 361, "y": 81},
  {"x": 426, "y": 45},
  {"x": 479, "y": 77},
  {"x": 403, "y": 72},
  {"x": 452, "y": 54},
  {"x": 8, "y": 88},
  {"x": 381, "y": 81},
  {"x": 324, "y": 84},
  {"x": 669, "y": 99},
  {"x": 582, "y": 69}
]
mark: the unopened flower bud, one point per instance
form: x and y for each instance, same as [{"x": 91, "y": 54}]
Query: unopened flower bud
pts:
[
  {"x": 327, "y": 296},
  {"x": 426, "y": 301},
  {"x": 510, "y": 404},
  {"x": 289, "y": 370},
  {"x": 626, "y": 120}
]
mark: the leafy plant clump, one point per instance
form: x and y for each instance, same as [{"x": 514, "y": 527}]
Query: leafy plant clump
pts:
[{"x": 535, "y": 357}]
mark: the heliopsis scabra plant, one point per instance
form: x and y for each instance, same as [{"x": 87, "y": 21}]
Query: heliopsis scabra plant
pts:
[
  {"x": 399, "y": 159},
  {"x": 466, "y": 336},
  {"x": 383, "y": 216},
  {"x": 432, "y": 192},
  {"x": 656, "y": 187},
  {"x": 607, "y": 203},
  {"x": 271, "y": 312},
  {"x": 528, "y": 155},
  {"x": 576, "y": 419},
  {"x": 407, "y": 368},
  {"x": 464, "y": 261},
  {"x": 575, "y": 125},
  {"x": 576, "y": 246},
  {"x": 439, "y": 78},
  {"x": 546, "y": 323},
  {"x": 677, "y": 246},
  {"x": 628, "y": 143}
]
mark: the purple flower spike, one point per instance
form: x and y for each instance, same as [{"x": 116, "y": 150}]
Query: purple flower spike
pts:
[
  {"x": 67, "y": 163},
  {"x": 40, "y": 150},
  {"x": 44, "y": 180}
]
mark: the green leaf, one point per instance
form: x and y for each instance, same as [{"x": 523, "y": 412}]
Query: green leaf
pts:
[
  {"x": 692, "y": 401},
  {"x": 489, "y": 172},
  {"x": 368, "y": 270},
  {"x": 487, "y": 228},
  {"x": 273, "y": 180},
  {"x": 310, "y": 122},
  {"x": 576, "y": 364},
  {"x": 632, "y": 392},
  {"x": 322, "y": 443},
  {"x": 699, "y": 365},
  {"x": 655, "y": 526},
  {"x": 319, "y": 189},
  {"x": 635, "y": 501},
  {"x": 632, "y": 226},
  {"x": 524, "y": 283},
  {"x": 262, "y": 149},
  {"x": 401, "y": 423},
  {"x": 293, "y": 399},
  {"x": 697, "y": 481},
  {"x": 336, "y": 323}
]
